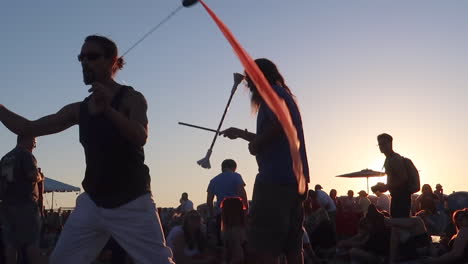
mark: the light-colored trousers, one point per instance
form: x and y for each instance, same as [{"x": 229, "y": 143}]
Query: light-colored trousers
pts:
[{"x": 135, "y": 226}]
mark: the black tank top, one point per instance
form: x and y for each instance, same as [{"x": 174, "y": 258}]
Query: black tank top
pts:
[{"x": 115, "y": 170}]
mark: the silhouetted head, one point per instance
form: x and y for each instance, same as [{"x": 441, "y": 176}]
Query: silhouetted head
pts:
[
  {"x": 26, "y": 142},
  {"x": 184, "y": 196},
  {"x": 228, "y": 165},
  {"x": 350, "y": 194},
  {"x": 192, "y": 220},
  {"x": 439, "y": 187},
  {"x": 426, "y": 189},
  {"x": 333, "y": 193},
  {"x": 312, "y": 194},
  {"x": 318, "y": 187},
  {"x": 273, "y": 76},
  {"x": 232, "y": 213},
  {"x": 379, "y": 188},
  {"x": 385, "y": 143},
  {"x": 375, "y": 218},
  {"x": 193, "y": 234},
  {"x": 99, "y": 59}
]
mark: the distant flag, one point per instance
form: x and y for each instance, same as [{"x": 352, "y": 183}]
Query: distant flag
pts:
[{"x": 276, "y": 104}]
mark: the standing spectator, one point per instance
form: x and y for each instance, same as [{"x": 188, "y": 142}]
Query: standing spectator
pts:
[
  {"x": 40, "y": 190},
  {"x": 397, "y": 183},
  {"x": 20, "y": 196},
  {"x": 228, "y": 183},
  {"x": 185, "y": 204},
  {"x": 383, "y": 202},
  {"x": 397, "y": 178}
]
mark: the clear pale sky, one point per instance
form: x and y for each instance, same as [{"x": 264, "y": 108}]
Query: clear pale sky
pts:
[{"x": 358, "y": 68}]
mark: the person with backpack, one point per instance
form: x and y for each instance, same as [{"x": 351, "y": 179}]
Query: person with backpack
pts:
[
  {"x": 19, "y": 192},
  {"x": 402, "y": 177},
  {"x": 402, "y": 181}
]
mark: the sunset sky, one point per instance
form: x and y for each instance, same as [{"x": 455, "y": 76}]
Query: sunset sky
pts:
[{"x": 357, "y": 68}]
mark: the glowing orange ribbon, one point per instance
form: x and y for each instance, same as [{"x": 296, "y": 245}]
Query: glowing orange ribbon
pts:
[{"x": 276, "y": 104}]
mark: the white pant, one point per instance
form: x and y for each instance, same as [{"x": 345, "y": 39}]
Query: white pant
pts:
[{"x": 135, "y": 226}]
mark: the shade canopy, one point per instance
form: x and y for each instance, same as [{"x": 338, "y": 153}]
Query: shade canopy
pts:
[
  {"x": 366, "y": 173},
  {"x": 51, "y": 185}
]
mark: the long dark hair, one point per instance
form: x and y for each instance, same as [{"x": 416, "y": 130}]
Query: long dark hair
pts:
[
  {"x": 273, "y": 76},
  {"x": 197, "y": 239},
  {"x": 232, "y": 213}
]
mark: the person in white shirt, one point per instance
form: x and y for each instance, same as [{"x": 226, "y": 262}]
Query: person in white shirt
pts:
[
  {"x": 364, "y": 202},
  {"x": 327, "y": 203},
  {"x": 185, "y": 204},
  {"x": 383, "y": 201}
]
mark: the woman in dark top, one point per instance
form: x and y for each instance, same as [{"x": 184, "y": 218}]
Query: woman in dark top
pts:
[{"x": 427, "y": 200}]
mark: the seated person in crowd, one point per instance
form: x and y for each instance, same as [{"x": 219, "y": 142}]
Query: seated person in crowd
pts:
[
  {"x": 411, "y": 238},
  {"x": 458, "y": 244},
  {"x": 383, "y": 202},
  {"x": 363, "y": 202},
  {"x": 321, "y": 233},
  {"x": 427, "y": 200},
  {"x": 309, "y": 254},
  {"x": 188, "y": 243},
  {"x": 376, "y": 244}
]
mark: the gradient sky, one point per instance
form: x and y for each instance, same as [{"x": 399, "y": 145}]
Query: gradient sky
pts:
[{"x": 358, "y": 68}]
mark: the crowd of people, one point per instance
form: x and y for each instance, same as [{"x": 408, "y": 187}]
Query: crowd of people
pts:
[{"x": 117, "y": 221}]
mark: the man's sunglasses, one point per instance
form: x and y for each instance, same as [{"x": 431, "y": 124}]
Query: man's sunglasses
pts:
[{"x": 89, "y": 56}]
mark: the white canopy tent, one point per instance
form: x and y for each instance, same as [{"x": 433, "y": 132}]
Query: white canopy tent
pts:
[{"x": 52, "y": 186}]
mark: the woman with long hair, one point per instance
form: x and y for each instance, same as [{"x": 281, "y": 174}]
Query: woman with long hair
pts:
[
  {"x": 188, "y": 243},
  {"x": 427, "y": 201},
  {"x": 233, "y": 230},
  {"x": 459, "y": 243}
]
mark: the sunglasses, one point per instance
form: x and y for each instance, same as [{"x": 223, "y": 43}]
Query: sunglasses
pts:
[{"x": 91, "y": 56}]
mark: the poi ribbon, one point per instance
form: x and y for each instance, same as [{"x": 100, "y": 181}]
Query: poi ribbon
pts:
[{"x": 276, "y": 104}]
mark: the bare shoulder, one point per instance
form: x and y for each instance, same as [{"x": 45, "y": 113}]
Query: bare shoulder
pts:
[
  {"x": 134, "y": 98},
  {"x": 134, "y": 106},
  {"x": 70, "y": 112}
]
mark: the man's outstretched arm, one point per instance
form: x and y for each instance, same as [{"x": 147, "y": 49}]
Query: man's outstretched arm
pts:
[{"x": 51, "y": 124}]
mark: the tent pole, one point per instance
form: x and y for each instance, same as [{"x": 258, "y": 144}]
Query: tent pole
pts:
[
  {"x": 367, "y": 185},
  {"x": 52, "y": 207}
]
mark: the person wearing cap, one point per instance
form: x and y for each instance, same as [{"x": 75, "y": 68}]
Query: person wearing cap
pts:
[
  {"x": 363, "y": 202},
  {"x": 383, "y": 202},
  {"x": 327, "y": 203}
]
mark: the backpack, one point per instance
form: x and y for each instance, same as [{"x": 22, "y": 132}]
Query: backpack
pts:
[{"x": 413, "y": 176}]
